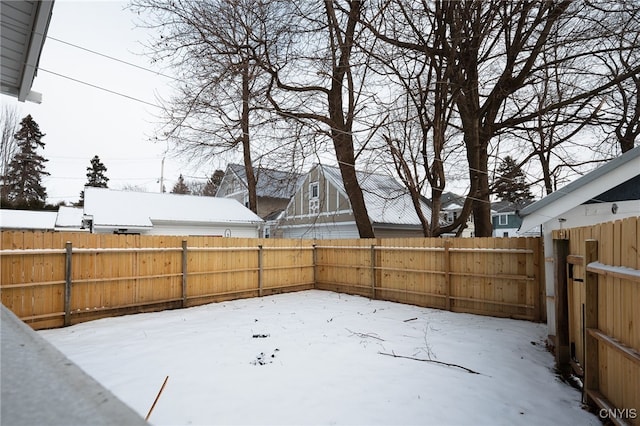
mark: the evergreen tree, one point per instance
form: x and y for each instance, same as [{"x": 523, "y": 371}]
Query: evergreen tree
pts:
[
  {"x": 180, "y": 187},
  {"x": 511, "y": 184},
  {"x": 26, "y": 169},
  {"x": 95, "y": 176},
  {"x": 213, "y": 184}
]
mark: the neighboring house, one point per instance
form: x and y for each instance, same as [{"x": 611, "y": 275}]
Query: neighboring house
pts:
[
  {"x": 65, "y": 219},
  {"x": 451, "y": 207},
  {"x": 274, "y": 189},
  {"x": 27, "y": 220},
  {"x": 608, "y": 193},
  {"x": 69, "y": 219},
  {"x": 320, "y": 207},
  {"x": 23, "y": 30},
  {"x": 505, "y": 219},
  {"x": 111, "y": 211}
]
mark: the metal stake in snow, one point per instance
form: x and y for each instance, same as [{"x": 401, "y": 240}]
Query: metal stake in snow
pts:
[{"x": 156, "y": 400}]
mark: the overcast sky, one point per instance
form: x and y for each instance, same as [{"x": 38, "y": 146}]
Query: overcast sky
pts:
[{"x": 82, "y": 121}]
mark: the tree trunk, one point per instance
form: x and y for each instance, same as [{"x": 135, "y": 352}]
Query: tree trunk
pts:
[
  {"x": 627, "y": 140},
  {"x": 341, "y": 124},
  {"x": 343, "y": 145},
  {"x": 479, "y": 193},
  {"x": 246, "y": 147}
]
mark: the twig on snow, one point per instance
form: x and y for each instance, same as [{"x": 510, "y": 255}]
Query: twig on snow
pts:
[
  {"x": 363, "y": 335},
  {"x": 430, "y": 360},
  {"x": 157, "y": 398},
  {"x": 410, "y": 319}
]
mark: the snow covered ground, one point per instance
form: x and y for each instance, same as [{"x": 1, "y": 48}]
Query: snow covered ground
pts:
[{"x": 315, "y": 357}]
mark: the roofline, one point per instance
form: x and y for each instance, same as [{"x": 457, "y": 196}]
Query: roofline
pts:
[
  {"x": 38, "y": 35},
  {"x": 580, "y": 182},
  {"x": 339, "y": 185}
]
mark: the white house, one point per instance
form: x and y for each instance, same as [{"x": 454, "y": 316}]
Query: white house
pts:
[
  {"x": 69, "y": 219},
  {"x": 452, "y": 205},
  {"x": 65, "y": 219},
  {"x": 320, "y": 207},
  {"x": 608, "y": 193},
  {"x": 27, "y": 220},
  {"x": 111, "y": 211}
]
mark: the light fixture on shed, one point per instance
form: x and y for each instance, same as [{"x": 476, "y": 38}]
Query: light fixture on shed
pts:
[{"x": 614, "y": 208}]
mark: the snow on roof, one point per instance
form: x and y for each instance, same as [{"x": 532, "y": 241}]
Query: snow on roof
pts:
[
  {"x": 269, "y": 182},
  {"x": 140, "y": 209},
  {"x": 69, "y": 217},
  {"x": 27, "y": 219},
  {"x": 505, "y": 206},
  {"x": 594, "y": 183},
  {"x": 387, "y": 201}
]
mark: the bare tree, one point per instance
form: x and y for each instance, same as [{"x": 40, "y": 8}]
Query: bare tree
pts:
[
  {"x": 553, "y": 140},
  {"x": 214, "y": 47},
  {"x": 318, "y": 81},
  {"x": 622, "y": 104},
  {"x": 421, "y": 126},
  {"x": 494, "y": 50},
  {"x": 9, "y": 121}
]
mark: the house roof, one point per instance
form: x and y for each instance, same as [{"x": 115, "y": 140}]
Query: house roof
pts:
[
  {"x": 269, "y": 182},
  {"x": 140, "y": 209},
  {"x": 69, "y": 217},
  {"x": 387, "y": 201},
  {"x": 23, "y": 29},
  {"x": 505, "y": 206},
  {"x": 28, "y": 219},
  {"x": 582, "y": 190}
]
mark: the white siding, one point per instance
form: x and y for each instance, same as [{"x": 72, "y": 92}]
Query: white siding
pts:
[{"x": 209, "y": 230}]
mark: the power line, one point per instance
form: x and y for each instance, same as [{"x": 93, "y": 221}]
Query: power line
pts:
[
  {"x": 113, "y": 58},
  {"x": 100, "y": 88}
]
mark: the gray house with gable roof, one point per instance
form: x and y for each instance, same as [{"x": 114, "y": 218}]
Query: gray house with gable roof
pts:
[{"x": 320, "y": 208}]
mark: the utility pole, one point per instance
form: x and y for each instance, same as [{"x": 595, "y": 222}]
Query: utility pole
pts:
[{"x": 162, "y": 176}]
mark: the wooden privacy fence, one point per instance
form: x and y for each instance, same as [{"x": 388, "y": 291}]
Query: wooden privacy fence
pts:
[
  {"x": 489, "y": 276},
  {"x": 602, "y": 324},
  {"x": 54, "y": 279},
  {"x": 94, "y": 276}
]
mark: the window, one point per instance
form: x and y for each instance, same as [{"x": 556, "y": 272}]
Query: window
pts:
[
  {"x": 267, "y": 232},
  {"x": 503, "y": 219},
  {"x": 314, "y": 198},
  {"x": 314, "y": 190}
]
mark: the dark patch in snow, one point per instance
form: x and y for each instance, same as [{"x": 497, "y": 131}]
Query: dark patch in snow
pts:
[
  {"x": 264, "y": 359},
  {"x": 260, "y": 336}
]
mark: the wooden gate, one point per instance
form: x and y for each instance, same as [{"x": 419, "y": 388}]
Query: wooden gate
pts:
[
  {"x": 597, "y": 316},
  {"x": 575, "y": 310}
]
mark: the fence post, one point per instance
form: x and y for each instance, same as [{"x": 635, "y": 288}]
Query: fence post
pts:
[
  {"x": 447, "y": 273},
  {"x": 591, "y": 356},
  {"x": 260, "y": 270},
  {"x": 563, "y": 352},
  {"x": 67, "y": 284},
  {"x": 373, "y": 271},
  {"x": 184, "y": 273},
  {"x": 314, "y": 261}
]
